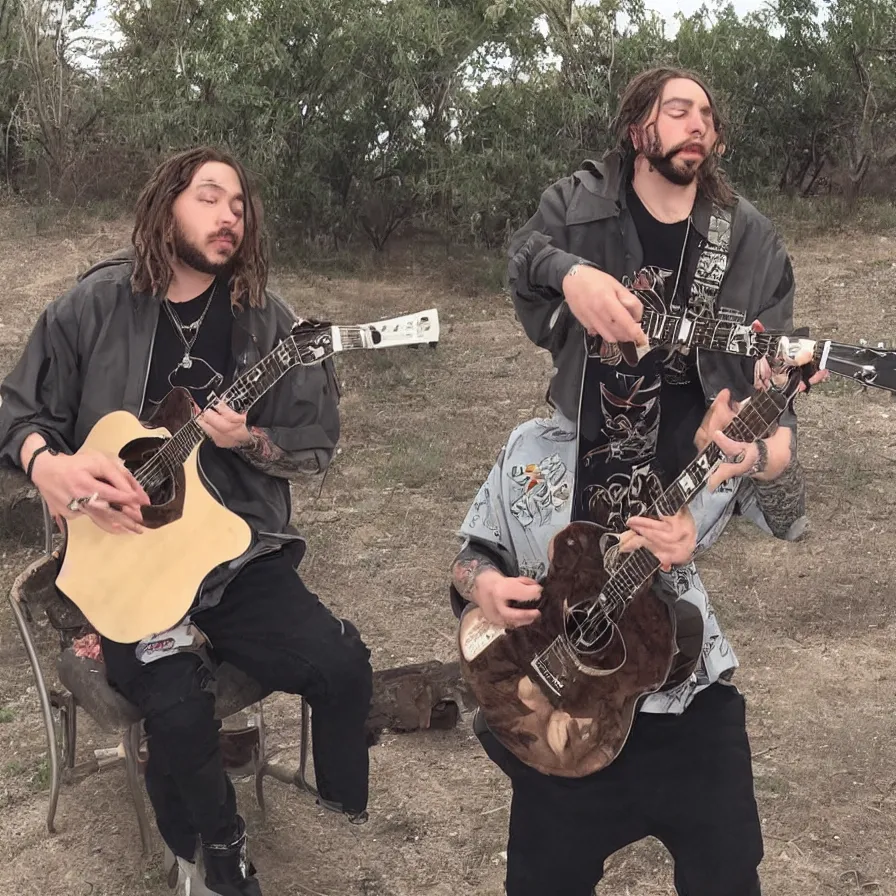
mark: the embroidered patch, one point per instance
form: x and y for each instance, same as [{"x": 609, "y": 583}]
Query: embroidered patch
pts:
[{"x": 546, "y": 487}]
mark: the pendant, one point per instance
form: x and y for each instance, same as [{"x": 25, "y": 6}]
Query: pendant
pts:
[{"x": 186, "y": 362}]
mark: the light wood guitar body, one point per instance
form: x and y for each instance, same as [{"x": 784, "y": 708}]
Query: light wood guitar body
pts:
[{"x": 129, "y": 586}]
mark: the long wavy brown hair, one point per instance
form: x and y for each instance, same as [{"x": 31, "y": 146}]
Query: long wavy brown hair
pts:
[
  {"x": 635, "y": 107},
  {"x": 153, "y": 235}
]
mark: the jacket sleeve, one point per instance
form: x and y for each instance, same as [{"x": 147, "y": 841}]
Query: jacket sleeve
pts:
[
  {"x": 42, "y": 393},
  {"x": 486, "y": 530},
  {"x": 301, "y": 421},
  {"x": 538, "y": 262}
]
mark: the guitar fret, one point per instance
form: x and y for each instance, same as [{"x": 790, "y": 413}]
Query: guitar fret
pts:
[
  {"x": 241, "y": 395},
  {"x": 310, "y": 349}
]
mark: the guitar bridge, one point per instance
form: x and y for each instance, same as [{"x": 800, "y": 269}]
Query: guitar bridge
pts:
[{"x": 552, "y": 668}]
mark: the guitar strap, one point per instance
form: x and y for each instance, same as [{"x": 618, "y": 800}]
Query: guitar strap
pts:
[
  {"x": 711, "y": 266},
  {"x": 712, "y": 262}
]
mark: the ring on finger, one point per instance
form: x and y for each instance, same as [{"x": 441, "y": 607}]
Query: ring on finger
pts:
[{"x": 77, "y": 504}]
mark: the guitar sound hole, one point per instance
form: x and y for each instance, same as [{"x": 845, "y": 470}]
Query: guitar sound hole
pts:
[
  {"x": 164, "y": 487},
  {"x": 159, "y": 486},
  {"x": 162, "y": 493}
]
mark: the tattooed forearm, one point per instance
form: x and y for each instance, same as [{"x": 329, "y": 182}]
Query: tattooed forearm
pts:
[
  {"x": 467, "y": 567},
  {"x": 264, "y": 455},
  {"x": 782, "y": 500}
]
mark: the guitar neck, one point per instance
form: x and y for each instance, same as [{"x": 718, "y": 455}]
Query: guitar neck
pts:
[
  {"x": 241, "y": 396},
  {"x": 716, "y": 335},
  {"x": 754, "y": 421},
  {"x": 867, "y": 365}
]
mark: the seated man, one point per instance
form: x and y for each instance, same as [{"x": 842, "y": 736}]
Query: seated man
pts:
[{"x": 190, "y": 309}]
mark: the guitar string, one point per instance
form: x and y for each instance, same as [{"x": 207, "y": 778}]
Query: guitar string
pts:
[
  {"x": 712, "y": 334},
  {"x": 641, "y": 564},
  {"x": 638, "y": 565}
]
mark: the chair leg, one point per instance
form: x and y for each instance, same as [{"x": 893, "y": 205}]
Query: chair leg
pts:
[
  {"x": 131, "y": 755},
  {"x": 46, "y": 711},
  {"x": 48, "y": 528},
  {"x": 304, "y": 737},
  {"x": 68, "y": 717},
  {"x": 260, "y": 770},
  {"x": 261, "y": 761}
]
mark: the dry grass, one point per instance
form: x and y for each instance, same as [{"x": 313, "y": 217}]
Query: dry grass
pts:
[{"x": 812, "y": 622}]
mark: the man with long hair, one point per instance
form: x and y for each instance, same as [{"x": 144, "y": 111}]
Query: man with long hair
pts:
[
  {"x": 188, "y": 307},
  {"x": 619, "y": 435}
]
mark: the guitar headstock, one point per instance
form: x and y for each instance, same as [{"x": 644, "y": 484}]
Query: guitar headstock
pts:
[{"x": 875, "y": 367}]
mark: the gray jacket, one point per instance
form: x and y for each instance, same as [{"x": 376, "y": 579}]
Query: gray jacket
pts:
[
  {"x": 89, "y": 354},
  {"x": 584, "y": 217}
]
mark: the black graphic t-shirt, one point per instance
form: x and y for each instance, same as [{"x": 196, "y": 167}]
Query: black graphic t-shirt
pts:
[
  {"x": 637, "y": 425},
  {"x": 682, "y": 397},
  {"x": 211, "y": 356}
]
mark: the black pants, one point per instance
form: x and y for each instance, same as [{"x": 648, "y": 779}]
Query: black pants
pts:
[
  {"x": 686, "y": 780},
  {"x": 273, "y": 628}
]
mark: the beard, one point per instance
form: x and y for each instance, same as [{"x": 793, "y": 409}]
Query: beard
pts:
[
  {"x": 192, "y": 256},
  {"x": 664, "y": 163}
]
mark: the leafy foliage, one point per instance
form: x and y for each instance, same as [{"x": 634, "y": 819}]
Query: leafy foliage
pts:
[{"x": 362, "y": 117}]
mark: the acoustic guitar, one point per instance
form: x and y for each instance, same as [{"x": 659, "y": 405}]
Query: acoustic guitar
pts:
[{"x": 562, "y": 692}]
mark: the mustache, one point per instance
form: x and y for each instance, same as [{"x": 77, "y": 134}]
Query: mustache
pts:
[
  {"x": 224, "y": 234},
  {"x": 688, "y": 144}
]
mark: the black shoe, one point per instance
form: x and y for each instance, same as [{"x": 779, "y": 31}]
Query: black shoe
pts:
[{"x": 228, "y": 871}]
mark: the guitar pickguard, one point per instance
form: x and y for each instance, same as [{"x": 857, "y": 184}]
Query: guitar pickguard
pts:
[{"x": 477, "y": 636}]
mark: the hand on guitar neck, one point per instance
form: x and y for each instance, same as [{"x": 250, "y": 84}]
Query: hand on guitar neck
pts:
[
  {"x": 764, "y": 462},
  {"x": 223, "y": 425},
  {"x": 88, "y": 483},
  {"x": 510, "y": 601},
  {"x": 671, "y": 539},
  {"x": 764, "y": 375}
]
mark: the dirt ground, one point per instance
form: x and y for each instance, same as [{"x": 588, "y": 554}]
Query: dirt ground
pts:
[{"x": 812, "y": 622}]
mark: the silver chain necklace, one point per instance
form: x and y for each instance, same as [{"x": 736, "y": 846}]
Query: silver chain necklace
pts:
[{"x": 187, "y": 361}]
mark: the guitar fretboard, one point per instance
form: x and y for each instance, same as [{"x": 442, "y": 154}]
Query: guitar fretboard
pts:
[
  {"x": 715, "y": 335},
  {"x": 753, "y": 422}
]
